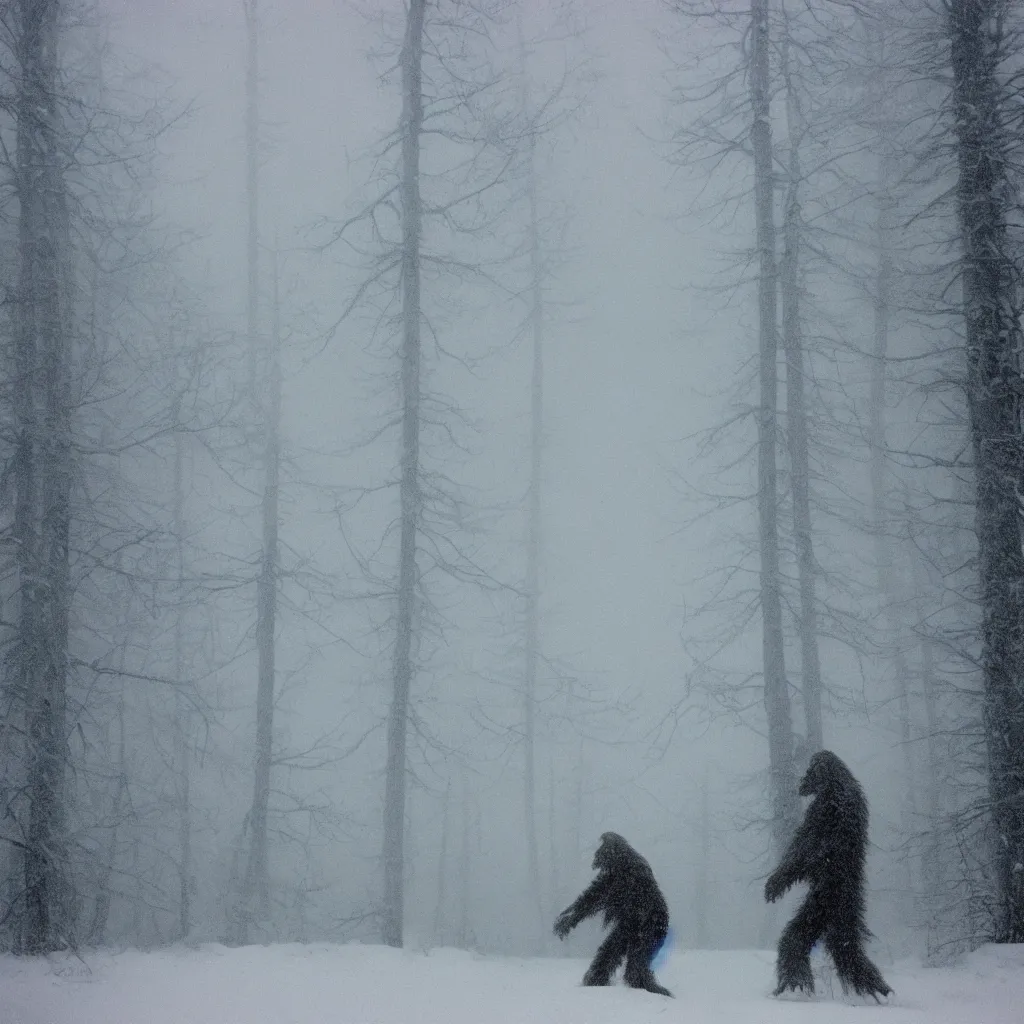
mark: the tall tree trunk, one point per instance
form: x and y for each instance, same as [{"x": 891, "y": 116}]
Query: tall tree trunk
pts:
[
  {"x": 931, "y": 858},
  {"x": 465, "y": 865},
  {"x": 42, "y": 331},
  {"x": 796, "y": 418},
  {"x": 101, "y": 911},
  {"x": 252, "y": 187},
  {"x": 576, "y": 821},
  {"x": 701, "y": 894},
  {"x": 784, "y": 804},
  {"x": 533, "y": 540},
  {"x": 880, "y": 477},
  {"x": 254, "y": 903},
  {"x": 555, "y": 877},
  {"x": 409, "y": 487},
  {"x": 182, "y": 712},
  {"x": 992, "y": 337},
  {"x": 442, "y": 868},
  {"x": 881, "y": 489}
]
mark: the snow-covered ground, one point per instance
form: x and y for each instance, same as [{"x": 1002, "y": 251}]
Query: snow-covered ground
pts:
[{"x": 323, "y": 984}]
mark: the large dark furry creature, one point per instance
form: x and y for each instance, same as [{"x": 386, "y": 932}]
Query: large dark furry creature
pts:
[
  {"x": 633, "y": 905},
  {"x": 827, "y": 852}
]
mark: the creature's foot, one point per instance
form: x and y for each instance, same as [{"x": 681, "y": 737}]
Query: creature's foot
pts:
[
  {"x": 659, "y": 990},
  {"x": 865, "y": 979},
  {"x": 798, "y": 979},
  {"x": 791, "y": 987},
  {"x": 877, "y": 992},
  {"x": 647, "y": 981}
]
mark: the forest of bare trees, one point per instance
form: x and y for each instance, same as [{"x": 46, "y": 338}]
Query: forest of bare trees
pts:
[{"x": 295, "y": 558}]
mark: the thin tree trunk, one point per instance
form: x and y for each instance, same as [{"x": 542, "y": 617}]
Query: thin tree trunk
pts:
[
  {"x": 576, "y": 835},
  {"x": 702, "y": 897},
  {"x": 465, "y": 864},
  {"x": 992, "y": 338},
  {"x": 796, "y": 419},
  {"x": 881, "y": 484},
  {"x": 182, "y": 713},
  {"x": 257, "y": 883},
  {"x": 410, "y": 498},
  {"x": 266, "y": 358},
  {"x": 442, "y": 867},
  {"x": 555, "y": 879},
  {"x": 776, "y": 688},
  {"x": 252, "y": 188},
  {"x": 881, "y": 479},
  {"x": 533, "y": 542},
  {"x": 931, "y": 860},
  {"x": 139, "y": 901},
  {"x": 43, "y": 454},
  {"x": 101, "y": 912}
]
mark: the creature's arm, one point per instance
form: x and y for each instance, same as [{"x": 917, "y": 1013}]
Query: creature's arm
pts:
[
  {"x": 797, "y": 863},
  {"x": 588, "y": 903}
]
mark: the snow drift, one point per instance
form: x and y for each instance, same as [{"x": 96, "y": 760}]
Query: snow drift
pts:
[{"x": 323, "y": 984}]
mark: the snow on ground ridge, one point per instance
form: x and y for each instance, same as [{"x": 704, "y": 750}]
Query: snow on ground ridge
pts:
[{"x": 324, "y": 984}]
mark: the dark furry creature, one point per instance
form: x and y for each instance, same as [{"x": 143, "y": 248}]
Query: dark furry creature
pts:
[
  {"x": 827, "y": 852},
  {"x": 633, "y": 906}
]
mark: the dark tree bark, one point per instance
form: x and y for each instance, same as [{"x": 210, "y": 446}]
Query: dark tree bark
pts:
[
  {"x": 43, "y": 467},
  {"x": 992, "y": 336}
]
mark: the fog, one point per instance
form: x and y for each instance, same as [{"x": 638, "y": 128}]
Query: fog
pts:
[{"x": 649, "y": 700}]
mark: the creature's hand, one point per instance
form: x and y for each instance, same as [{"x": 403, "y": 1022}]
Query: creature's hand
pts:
[
  {"x": 564, "y": 924},
  {"x": 774, "y": 888}
]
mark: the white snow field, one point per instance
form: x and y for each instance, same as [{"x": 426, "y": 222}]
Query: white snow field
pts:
[{"x": 321, "y": 984}]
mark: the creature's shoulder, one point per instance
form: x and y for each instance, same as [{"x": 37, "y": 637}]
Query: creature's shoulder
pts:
[{"x": 839, "y": 804}]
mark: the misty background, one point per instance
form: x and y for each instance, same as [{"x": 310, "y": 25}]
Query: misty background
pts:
[{"x": 648, "y": 704}]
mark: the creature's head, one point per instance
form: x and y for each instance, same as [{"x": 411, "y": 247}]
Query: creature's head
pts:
[
  {"x": 824, "y": 770},
  {"x": 611, "y": 850}
]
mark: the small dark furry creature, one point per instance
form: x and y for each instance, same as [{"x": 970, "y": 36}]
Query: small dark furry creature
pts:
[
  {"x": 633, "y": 906},
  {"x": 827, "y": 852}
]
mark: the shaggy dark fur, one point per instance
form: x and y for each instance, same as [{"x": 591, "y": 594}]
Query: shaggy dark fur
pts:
[
  {"x": 633, "y": 905},
  {"x": 827, "y": 852}
]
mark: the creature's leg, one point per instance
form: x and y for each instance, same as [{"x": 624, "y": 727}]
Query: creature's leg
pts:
[
  {"x": 793, "y": 967},
  {"x": 641, "y": 951},
  {"x": 844, "y": 942},
  {"x": 607, "y": 958}
]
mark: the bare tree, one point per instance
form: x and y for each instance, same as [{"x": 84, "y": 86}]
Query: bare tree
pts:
[
  {"x": 990, "y": 286},
  {"x": 409, "y": 496},
  {"x": 43, "y": 467},
  {"x": 459, "y": 103},
  {"x": 265, "y": 389},
  {"x": 183, "y": 710},
  {"x": 796, "y": 401},
  {"x": 776, "y": 685},
  {"x": 534, "y": 521}
]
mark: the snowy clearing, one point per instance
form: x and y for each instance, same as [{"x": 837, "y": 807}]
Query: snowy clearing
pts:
[{"x": 293, "y": 984}]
